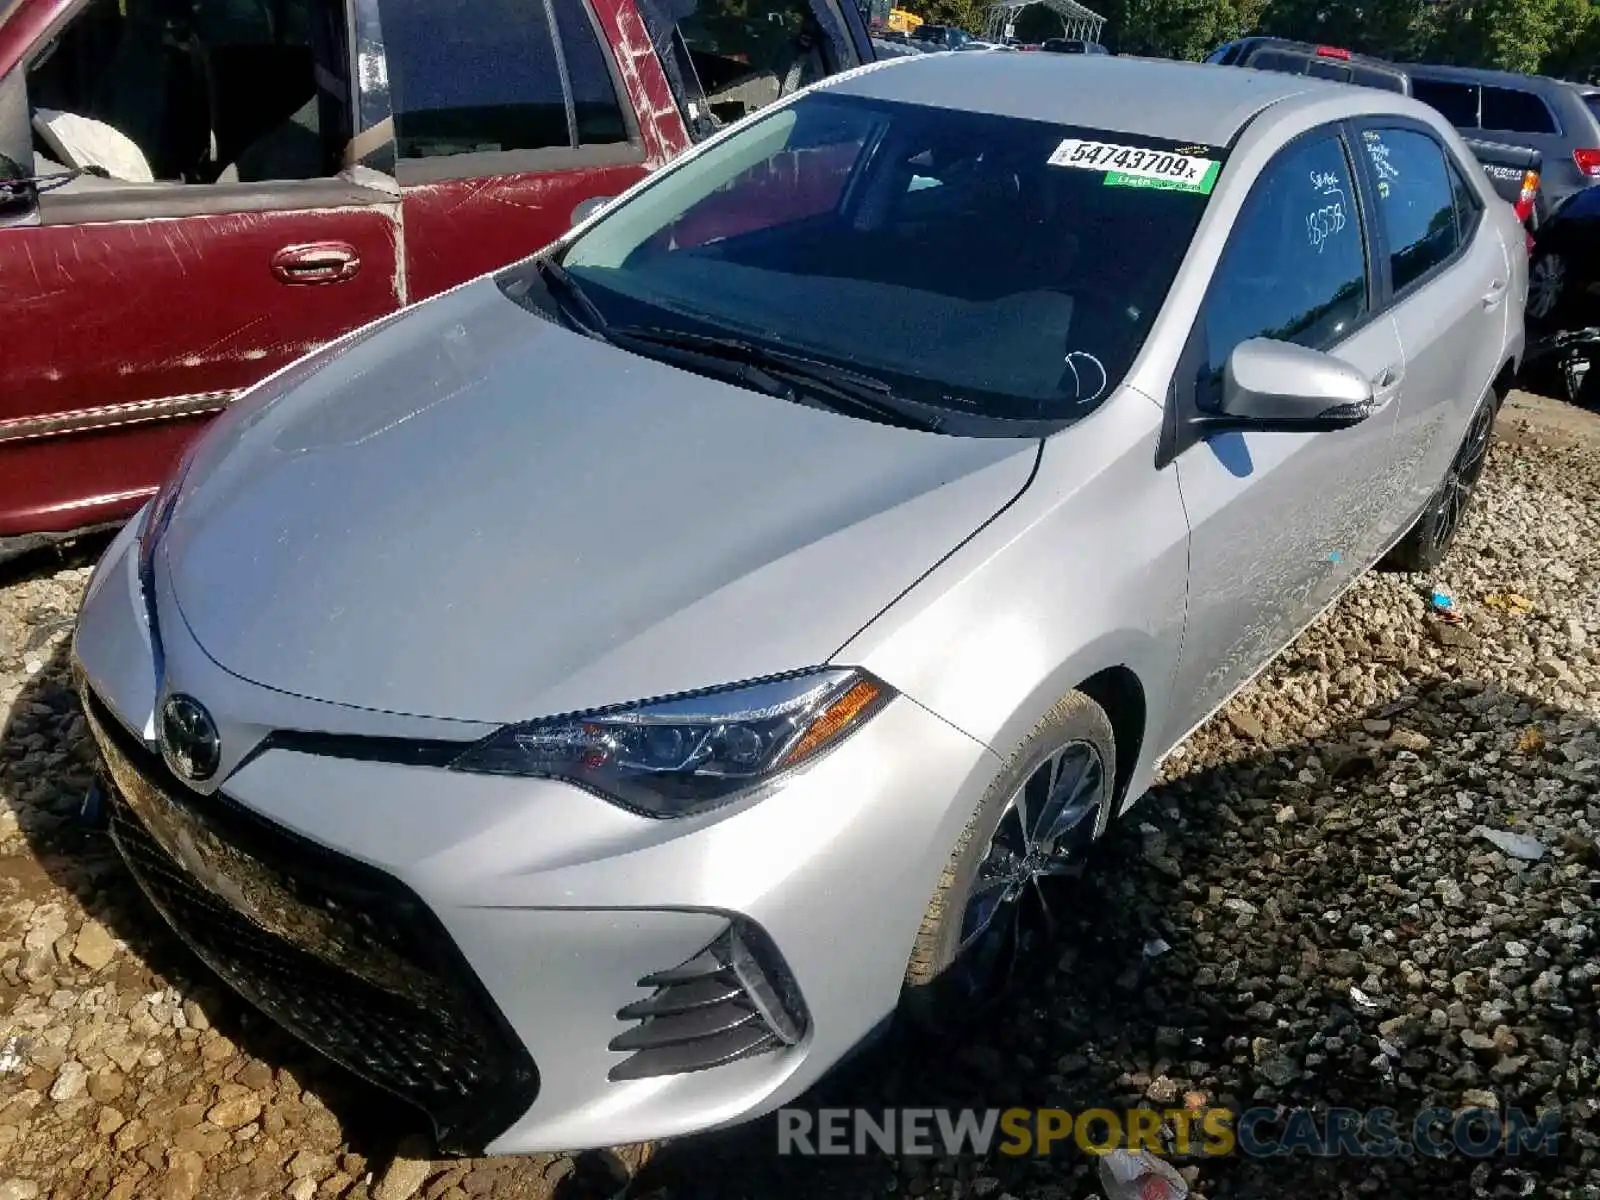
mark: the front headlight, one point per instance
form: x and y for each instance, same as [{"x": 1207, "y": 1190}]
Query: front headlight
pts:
[{"x": 676, "y": 756}]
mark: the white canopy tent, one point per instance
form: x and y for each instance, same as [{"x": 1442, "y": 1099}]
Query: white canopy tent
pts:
[{"x": 1076, "y": 20}]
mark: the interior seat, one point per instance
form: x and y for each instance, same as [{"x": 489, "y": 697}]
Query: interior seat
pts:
[{"x": 154, "y": 90}]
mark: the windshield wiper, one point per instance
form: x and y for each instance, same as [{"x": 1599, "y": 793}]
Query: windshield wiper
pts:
[
  {"x": 560, "y": 283},
  {"x": 843, "y": 389}
]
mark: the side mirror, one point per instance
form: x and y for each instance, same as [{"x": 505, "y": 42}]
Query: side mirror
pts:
[
  {"x": 588, "y": 208},
  {"x": 1275, "y": 386}
]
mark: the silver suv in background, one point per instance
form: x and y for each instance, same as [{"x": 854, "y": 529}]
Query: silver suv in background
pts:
[{"x": 1561, "y": 120}]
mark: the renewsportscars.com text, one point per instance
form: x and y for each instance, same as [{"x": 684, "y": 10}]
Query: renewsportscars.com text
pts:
[{"x": 1178, "y": 1133}]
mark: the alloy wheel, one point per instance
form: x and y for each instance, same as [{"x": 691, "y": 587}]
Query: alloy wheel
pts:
[
  {"x": 1547, "y": 278},
  {"x": 1042, "y": 834},
  {"x": 1463, "y": 476}
]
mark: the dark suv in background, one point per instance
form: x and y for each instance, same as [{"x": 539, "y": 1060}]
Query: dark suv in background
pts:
[
  {"x": 1556, "y": 118},
  {"x": 1513, "y": 169},
  {"x": 1305, "y": 58},
  {"x": 1561, "y": 120}
]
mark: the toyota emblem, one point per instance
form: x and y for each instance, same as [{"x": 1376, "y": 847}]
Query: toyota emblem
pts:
[{"x": 190, "y": 744}]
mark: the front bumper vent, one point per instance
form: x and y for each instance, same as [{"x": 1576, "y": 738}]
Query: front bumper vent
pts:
[{"x": 733, "y": 999}]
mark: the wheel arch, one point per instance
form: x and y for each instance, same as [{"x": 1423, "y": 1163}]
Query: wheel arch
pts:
[{"x": 1118, "y": 690}]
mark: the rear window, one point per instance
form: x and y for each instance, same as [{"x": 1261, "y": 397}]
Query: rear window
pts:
[
  {"x": 1389, "y": 81},
  {"x": 996, "y": 266},
  {"x": 1512, "y": 111},
  {"x": 1591, "y": 101},
  {"x": 1324, "y": 68},
  {"x": 1278, "y": 60},
  {"x": 1457, "y": 102}
]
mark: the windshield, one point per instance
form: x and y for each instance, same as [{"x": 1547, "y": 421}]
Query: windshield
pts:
[{"x": 983, "y": 264}]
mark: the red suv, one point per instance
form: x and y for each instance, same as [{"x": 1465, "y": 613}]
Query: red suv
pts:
[{"x": 196, "y": 192}]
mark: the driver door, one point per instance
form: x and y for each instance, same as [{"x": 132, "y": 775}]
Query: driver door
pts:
[{"x": 1281, "y": 522}]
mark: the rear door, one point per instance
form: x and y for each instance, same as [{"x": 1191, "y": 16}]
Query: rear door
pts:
[
  {"x": 134, "y": 307},
  {"x": 1446, "y": 271}
]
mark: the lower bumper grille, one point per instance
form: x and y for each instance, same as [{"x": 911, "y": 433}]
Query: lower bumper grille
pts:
[
  {"x": 340, "y": 954},
  {"x": 733, "y": 999}
]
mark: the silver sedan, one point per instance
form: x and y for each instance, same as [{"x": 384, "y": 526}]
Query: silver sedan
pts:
[{"x": 589, "y": 703}]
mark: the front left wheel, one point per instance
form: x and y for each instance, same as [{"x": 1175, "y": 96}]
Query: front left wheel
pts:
[{"x": 991, "y": 911}]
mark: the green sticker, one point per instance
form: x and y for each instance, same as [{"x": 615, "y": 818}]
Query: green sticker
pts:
[{"x": 1202, "y": 186}]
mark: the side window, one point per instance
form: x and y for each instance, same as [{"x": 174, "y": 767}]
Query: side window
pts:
[
  {"x": 471, "y": 76},
  {"x": 1416, "y": 201},
  {"x": 594, "y": 91},
  {"x": 1457, "y": 102},
  {"x": 484, "y": 76},
  {"x": 1295, "y": 267},
  {"x": 212, "y": 91},
  {"x": 745, "y": 54},
  {"x": 1511, "y": 111}
]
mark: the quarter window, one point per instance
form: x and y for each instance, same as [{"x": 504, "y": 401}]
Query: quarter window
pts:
[
  {"x": 1416, "y": 201},
  {"x": 1513, "y": 111},
  {"x": 1295, "y": 269}
]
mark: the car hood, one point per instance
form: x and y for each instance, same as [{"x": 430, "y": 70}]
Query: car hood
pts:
[{"x": 470, "y": 512}]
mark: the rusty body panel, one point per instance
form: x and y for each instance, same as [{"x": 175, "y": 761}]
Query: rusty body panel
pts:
[
  {"x": 153, "y": 323},
  {"x": 661, "y": 124},
  {"x": 464, "y": 227}
]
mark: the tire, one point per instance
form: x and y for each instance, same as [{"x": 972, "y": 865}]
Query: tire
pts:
[
  {"x": 1079, "y": 732},
  {"x": 1429, "y": 540},
  {"x": 1547, "y": 287}
]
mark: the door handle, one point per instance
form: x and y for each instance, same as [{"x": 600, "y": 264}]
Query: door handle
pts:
[
  {"x": 316, "y": 262},
  {"x": 1495, "y": 294}
]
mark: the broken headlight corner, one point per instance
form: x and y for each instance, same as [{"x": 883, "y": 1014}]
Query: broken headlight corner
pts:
[{"x": 683, "y": 754}]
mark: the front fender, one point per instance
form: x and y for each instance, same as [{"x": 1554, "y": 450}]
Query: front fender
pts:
[{"x": 1086, "y": 570}]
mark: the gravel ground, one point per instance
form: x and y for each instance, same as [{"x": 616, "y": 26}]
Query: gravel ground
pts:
[{"x": 1340, "y": 930}]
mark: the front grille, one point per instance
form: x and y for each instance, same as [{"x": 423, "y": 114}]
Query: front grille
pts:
[
  {"x": 340, "y": 954},
  {"x": 734, "y": 999}
]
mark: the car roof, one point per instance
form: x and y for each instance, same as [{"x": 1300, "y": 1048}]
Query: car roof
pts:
[{"x": 1180, "y": 101}]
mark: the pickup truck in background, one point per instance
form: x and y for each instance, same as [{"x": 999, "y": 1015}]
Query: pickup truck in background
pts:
[
  {"x": 194, "y": 193},
  {"x": 1515, "y": 171}
]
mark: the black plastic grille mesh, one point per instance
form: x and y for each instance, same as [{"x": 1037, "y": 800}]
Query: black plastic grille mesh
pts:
[{"x": 366, "y": 975}]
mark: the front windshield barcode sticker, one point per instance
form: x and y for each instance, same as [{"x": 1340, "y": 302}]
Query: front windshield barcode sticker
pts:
[{"x": 1134, "y": 166}]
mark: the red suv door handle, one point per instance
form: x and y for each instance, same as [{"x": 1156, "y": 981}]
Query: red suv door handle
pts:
[{"x": 316, "y": 262}]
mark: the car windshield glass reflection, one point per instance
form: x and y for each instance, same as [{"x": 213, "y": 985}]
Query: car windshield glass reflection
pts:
[{"x": 995, "y": 266}]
